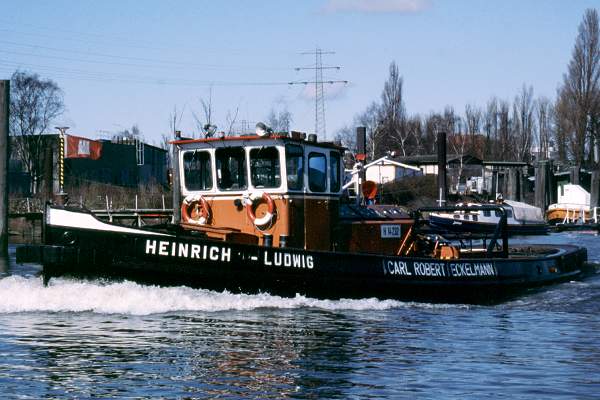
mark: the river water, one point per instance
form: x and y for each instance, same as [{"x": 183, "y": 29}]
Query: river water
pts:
[{"x": 90, "y": 339}]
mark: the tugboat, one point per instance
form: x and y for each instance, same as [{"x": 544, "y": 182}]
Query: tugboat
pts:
[{"x": 267, "y": 213}]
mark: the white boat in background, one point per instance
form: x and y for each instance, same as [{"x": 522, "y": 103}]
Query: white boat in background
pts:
[
  {"x": 573, "y": 206},
  {"x": 521, "y": 219}
]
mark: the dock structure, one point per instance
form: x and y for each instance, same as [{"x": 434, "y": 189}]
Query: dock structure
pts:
[
  {"x": 4, "y": 155},
  {"x": 544, "y": 193}
]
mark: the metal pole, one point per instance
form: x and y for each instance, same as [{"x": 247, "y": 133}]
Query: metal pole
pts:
[
  {"x": 4, "y": 154},
  {"x": 176, "y": 187}
]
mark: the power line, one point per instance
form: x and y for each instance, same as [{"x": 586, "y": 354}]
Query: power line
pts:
[
  {"x": 320, "y": 128},
  {"x": 154, "y": 63},
  {"x": 78, "y": 74}
]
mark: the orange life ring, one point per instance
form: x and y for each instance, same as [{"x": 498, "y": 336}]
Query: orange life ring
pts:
[
  {"x": 254, "y": 198},
  {"x": 195, "y": 210}
]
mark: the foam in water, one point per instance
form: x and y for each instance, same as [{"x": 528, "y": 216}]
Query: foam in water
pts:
[{"x": 21, "y": 294}]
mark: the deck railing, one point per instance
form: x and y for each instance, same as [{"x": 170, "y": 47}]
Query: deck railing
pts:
[
  {"x": 577, "y": 215},
  {"x": 500, "y": 232}
]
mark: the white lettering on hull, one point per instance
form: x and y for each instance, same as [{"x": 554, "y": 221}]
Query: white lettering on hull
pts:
[
  {"x": 279, "y": 259},
  {"x": 438, "y": 269},
  {"x": 186, "y": 250},
  {"x": 429, "y": 269},
  {"x": 396, "y": 268},
  {"x": 472, "y": 269}
]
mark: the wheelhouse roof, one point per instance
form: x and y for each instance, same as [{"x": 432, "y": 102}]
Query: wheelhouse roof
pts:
[{"x": 273, "y": 138}]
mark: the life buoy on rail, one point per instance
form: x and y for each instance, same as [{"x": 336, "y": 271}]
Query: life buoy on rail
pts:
[
  {"x": 195, "y": 210},
  {"x": 252, "y": 199}
]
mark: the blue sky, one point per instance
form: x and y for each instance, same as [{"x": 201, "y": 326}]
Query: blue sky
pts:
[{"x": 131, "y": 62}]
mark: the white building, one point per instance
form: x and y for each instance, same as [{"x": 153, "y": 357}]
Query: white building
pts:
[{"x": 384, "y": 170}]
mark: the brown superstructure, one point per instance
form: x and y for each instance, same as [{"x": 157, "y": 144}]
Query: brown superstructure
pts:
[{"x": 279, "y": 190}]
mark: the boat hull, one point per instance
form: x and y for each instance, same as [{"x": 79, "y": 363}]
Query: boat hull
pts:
[
  {"x": 454, "y": 225},
  {"x": 181, "y": 259},
  {"x": 565, "y": 215}
]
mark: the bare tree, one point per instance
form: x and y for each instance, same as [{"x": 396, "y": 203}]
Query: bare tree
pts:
[
  {"x": 132, "y": 133},
  {"x": 473, "y": 126},
  {"x": 392, "y": 111},
  {"x": 490, "y": 126},
  {"x": 457, "y": 139},
  {"x": 370, "y": 120},
  {"x": 174, "y": 120},
  {"x": 280, "y": 120},
  {"x": 563, "y": 110},
  {"x": 34, "y": 104},
  {"x": 346, "y": 136},
  {"x": 580, "y": 92},
  {"x": 544, "y": 110},
  {"x": 165, "y": 145},
  {"x": 523, "y": 117},
  {"x": 231, "y": 119},
  {"x": 504, "y": 130},
  {"x": 414, "y": 128},
  {"x": 207, "y": 109}
]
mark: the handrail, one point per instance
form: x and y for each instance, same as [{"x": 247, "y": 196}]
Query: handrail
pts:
[{"x": 501, "y": 230}]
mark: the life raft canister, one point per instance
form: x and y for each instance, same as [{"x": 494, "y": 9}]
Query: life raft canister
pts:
[
  {"x": 195, "y": 210},
  {"x": 252, "y": 199}
]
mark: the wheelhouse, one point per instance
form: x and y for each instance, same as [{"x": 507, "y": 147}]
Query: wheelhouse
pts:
[
  {"x": 279, "y": 165},
  {"x": 278, "y": 190}
]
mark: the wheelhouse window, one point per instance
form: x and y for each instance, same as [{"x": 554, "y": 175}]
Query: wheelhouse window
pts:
[
  {"x": 264, "y": 167},
  {"x": 294, "y": 166},
  {"x": 317, "y": 172},
  {"x": 231, "y": 168},
  {"x": 197, "y": 170},
  {"x": 334, "y": 166}
]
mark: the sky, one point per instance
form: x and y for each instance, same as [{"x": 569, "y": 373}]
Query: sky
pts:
[{"x": 126, "y": 62}]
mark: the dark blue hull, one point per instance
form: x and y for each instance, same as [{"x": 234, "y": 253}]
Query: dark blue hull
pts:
[{"x": 182, "y": 259}]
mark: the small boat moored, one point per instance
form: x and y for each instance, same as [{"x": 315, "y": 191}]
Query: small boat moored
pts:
[
  {"x": 572, "y": 207},
  {"x": 522, "y": 219}
]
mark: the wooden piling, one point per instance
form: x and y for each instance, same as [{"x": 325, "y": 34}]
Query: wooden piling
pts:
[
  {"x": 574, "y": 175},
  {"x": 442, "y": 182},
  {"x": 513, "y": 184},
  {"x": 510, "y": 192},
  {"x": 540, "y": 182},
  {"x": 4, "y": 155},
  {"x": 595, "y": 189},
  {"x": 361, "y": 155},
  {"x": 544, "y": 186}
]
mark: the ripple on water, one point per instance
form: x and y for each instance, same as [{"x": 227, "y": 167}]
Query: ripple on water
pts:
[{"x": 120, "y": 339}]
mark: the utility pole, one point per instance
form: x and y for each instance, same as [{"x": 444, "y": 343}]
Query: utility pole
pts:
[
  {"x": 320, "y": 128},
  {"x": 61, "y": 162},
  {"x": 4, "y": 154}
]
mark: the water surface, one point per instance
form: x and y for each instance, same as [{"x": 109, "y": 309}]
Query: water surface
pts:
[{"x": 84, "y": 339}]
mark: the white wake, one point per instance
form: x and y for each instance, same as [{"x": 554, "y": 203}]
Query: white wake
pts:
[{"x": 28, "y": 294}]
